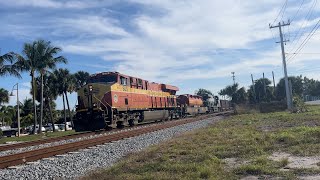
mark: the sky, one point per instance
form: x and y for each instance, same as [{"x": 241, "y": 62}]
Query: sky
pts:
[{"x": 186, "y": 43}]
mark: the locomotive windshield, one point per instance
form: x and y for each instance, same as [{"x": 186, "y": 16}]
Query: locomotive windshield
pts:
[{"x": 103, "y": 79}]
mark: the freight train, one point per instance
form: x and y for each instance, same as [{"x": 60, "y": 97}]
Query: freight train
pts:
[{"x": 114, "y": 100}]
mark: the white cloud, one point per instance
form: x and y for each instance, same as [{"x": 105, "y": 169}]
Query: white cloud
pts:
[
  {"x": 185, "y": 37},
  {"x": 175, "y": 39},
  {"x": 93, "y": 25},
  {"x": 45, "y": 4}
]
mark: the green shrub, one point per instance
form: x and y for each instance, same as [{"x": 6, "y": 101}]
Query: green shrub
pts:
[
  {"x": 284, "y": 162},
  {"x": 246, "y": 109},
  {"x": 274, "y": 106},
  {"x": 1, "y": 133},
  {"x": 298, "y": 105}
]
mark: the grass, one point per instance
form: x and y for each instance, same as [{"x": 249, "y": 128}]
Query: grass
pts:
[
  {"x": 36, "y": 136},
  {"x": 250, "y": 138}
]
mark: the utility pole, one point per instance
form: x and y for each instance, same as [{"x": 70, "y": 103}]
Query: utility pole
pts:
[
  {"x": 264, "y": 85},
  {"x": 233, "y": 77},
  {"x": 288, "y": 95},
  {"x": 290, "y": 88},
  {"x": 274, "y": 84},
  {"x": 253, "y": 89}
]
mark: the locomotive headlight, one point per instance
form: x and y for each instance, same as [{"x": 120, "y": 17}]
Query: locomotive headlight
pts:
[{"x": 90, "y": 88}]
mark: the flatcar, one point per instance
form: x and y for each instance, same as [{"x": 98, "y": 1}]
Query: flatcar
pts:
[{"x": 111, "y": 99}]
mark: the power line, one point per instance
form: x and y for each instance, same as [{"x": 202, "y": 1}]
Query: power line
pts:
[
  {"x": 307, "y": 18},
  {"x": 284, "y": 6},
  {"x": 307, "y": 69},
  {"x": 305, "y": 41},
  {"x": 297, "y": 12},
  {"x": 284, "y": 9},
  {"x": 302, "y": 53}
]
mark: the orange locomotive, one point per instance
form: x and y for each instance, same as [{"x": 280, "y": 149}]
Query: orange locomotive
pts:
[
  {"x": 111, "y": 99},
  {"x": 191, "y": 105}
]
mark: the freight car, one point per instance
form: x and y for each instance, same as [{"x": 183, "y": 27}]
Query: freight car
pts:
[
  {"x": 111, "y": 99},
  {"x": 225, "y": 105},
  {"x": 191, "y": 105}
]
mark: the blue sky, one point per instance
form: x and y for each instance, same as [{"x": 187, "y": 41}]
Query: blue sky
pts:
[{"x": 190, "y": 44}]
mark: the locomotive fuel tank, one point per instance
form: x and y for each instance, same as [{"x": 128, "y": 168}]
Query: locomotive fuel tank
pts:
[{"x": 155, "y": 115}]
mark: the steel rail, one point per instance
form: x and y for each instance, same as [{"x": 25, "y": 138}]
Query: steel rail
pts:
[
  {"x": 33, "y": 155},
  {"x": 43, "y": 141}
]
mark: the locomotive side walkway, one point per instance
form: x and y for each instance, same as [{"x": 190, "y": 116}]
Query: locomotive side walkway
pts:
[
  {"x": 79, "y": 163},
  {"x": 251, "y": 146}
]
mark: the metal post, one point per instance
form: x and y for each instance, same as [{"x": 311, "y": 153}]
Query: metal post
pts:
[
  {"x": 233, "y": 77},
  {"x": 264, "y": 85},
  {"x": 274, "y": 84},
  {"x": 288, "y": 95},
  {"x": 41, "y": 104},
  {"x": 254, "y": 89},
  {"x": 290, "y": 88},
  {"x": 18, "y": 104}
]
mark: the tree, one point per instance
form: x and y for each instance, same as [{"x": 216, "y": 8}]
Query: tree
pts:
[
  {"x": 4, "y": 96},
  {"x": 311, "y": 87},
  {"x": 297, "y": 87},
  {"x": 7, "y": 113},
  {"x": 64, "y": 83},
  {"x": 205, "y": 94},
  {"x": 29, "y": 61},
  {"x": 238, "y": 96},
  {"x": 80, "y": 79},
  {"x": 9, "y": 65},
  {"x": 48, "y": 61},
  {"x": 38, "y": 57},
  {"x": 50, "y": 93},
  {"x": 26, "y": 107},
  {"x": 261, "y": 91},
  {"x": 229, "y": 90}
]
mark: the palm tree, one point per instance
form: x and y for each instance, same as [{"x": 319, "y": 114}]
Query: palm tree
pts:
[
  {"x": 80, "y": 79},
  {"x": 64, "y": 84},
  {"x": 49, "y": 92},
  {"x": 4, "y": 96},
  {"x": 48, "y": 62},
  {"x": 9, "y": 65},
  {"x": 26, "y": 107},
  {"x": 7, "y": 113},
  {"x": 38, "y": 57}
]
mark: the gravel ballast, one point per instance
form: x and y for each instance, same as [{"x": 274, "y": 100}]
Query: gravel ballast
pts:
[
  {"x": 56, "y": 143},
  {"x": 72, "y": 165}
]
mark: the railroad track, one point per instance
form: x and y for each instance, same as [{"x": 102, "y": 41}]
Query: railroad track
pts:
[
  {"x": 50, "y": 140},
  {"x": 33, "y": 155},
  {"x": 44, "y": 141}
]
